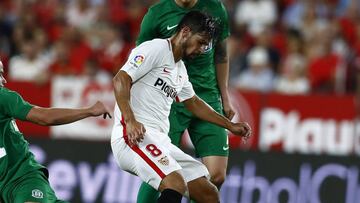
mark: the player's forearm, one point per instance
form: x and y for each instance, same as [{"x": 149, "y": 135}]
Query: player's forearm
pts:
[
  {"x": 205, "y": 112},
  {"x": 222, "y": 74},
  {"x": 57, "y": 116},
  {"x": 222, "y": 69},
  {"x": 122, "y": 86}
]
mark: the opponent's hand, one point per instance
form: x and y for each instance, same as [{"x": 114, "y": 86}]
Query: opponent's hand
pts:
[
  {"x": 100, "y": 109},
  {"x": 228, "y": 110},
  {"x": 135, "y": 132},
  {"x": 242, "y": 129}
]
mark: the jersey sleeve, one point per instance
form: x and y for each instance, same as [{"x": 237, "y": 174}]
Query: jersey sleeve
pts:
[
  {"x": 142, "y": 59},
  {"x": 187, "y": 91},
  {"x": 224, "y": 28},
  {"x": 147, "y": 28},
  {"x": 13, "y": 105}
]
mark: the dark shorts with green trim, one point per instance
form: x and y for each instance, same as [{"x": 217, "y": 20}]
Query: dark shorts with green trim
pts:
[
  {"x": 208, "y": 139},
  {"x": 32, "y": 187}
]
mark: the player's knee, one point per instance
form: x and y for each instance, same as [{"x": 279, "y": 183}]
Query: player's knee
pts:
[
  {"x": 217, "y": 178},
  {"x": 175, "y": 182},
  {"x": 212, "y": 194}
]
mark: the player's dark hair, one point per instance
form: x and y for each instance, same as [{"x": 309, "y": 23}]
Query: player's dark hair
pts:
[{"x": 199, "y": 22}]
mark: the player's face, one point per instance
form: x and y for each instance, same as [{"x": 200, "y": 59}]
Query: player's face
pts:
[
  {"x": 195, "y": 45},
  {"x": 2, "y": 79}
]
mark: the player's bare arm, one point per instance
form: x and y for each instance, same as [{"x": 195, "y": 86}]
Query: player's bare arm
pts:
[
  {"x": 222, "y": 74},
  {"x": 59, "y": 116},
  {"x": 122, "y": 85},
  {"x": 203, "y": 111}
]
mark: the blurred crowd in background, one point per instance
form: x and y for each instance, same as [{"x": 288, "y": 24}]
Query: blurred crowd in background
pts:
[{"x": 285, "y": 46}]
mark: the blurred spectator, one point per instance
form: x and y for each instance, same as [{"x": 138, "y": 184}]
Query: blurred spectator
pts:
[
  {"x": 259, "y": 75},
  {"x": 79, "y": 49},
  {"x": 114, "y": 50},
  {"x": 348, "y": 22},
  {"x": 255, "y": 14},
  {"x": 81, "y": 14},
  {"x": 264, "y": 39},
  {"x": 5, "y": 33},
  {"x": 61, "y": 63},
  {"x": 292, "y": 79},
  {"x": 44, "y": 11},
  {"x": 128, "y": 14},
  {"x": 136, "y": 12},
  {"x": 295, "y": 13},
  {"x": 324, "y": 63},
  {"x": 237, "y": 58},
  {"x": 311, "y": 23},
  {"x": 342, "y": 6},
  {"x": 58, "y": 23},
  {"x": 95, "y": 73},
  {"x": 30, "y": 65},
  {"x": 354, "y": 73},
  {"x": 294, "y": 43}
]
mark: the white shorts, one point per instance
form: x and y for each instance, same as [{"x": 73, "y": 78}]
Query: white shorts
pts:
[{"x": 154, "y": 158}]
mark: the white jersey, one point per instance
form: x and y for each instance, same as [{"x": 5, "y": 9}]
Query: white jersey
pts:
[{"x": 156, "y": 82}]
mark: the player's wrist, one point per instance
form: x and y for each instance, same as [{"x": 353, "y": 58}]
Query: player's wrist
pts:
[
  {"x": 228, "y": 125},
  {"x": 129, "y": 119}
]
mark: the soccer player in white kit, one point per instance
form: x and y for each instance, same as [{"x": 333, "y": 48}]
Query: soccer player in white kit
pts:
[{"x": 145, "y": 87}]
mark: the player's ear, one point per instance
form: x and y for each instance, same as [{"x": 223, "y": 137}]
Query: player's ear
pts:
[{"x": 186, "y": 32}]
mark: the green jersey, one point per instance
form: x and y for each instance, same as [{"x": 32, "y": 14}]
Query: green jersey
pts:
[
  {"x": 15, "y": 158},
  {"x": 161, "y": 21}
]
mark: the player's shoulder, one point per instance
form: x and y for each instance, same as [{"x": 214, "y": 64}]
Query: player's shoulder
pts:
[
  {"x": 5, "y": 91},
  {"x": 160, "y": 6},
  {"x": 6, "y": 94},
  {"x": 155, "y": 44},
  {"x": 183, "y": 67}
]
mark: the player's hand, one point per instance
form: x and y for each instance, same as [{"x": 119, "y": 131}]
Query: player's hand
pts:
[
  {"x": 242, "y": 129},
  {"x": 228, "y": 110},
  {"x": 100, "y": 109},
  {"x": 135, "y": 132}
]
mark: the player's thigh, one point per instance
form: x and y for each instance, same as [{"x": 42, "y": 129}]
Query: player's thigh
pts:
[
  {"x": 208, "y": 139},
  {"x": 179, "y": 119},
  {"x": 35, "y": 188},
  {"x": 150, "y": 159},
  {"x": 191, "y": 168}
]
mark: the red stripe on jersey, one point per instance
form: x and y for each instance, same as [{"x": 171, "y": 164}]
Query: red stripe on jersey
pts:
[
  {"x": 137, "y": 150},
  {"x": 177, "y": 99}
]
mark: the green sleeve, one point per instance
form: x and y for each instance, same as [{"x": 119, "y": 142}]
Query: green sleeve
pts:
[
  {"x": 224, "y": 31},
  {"x": 147, "y": 28},
  {"x": 13, "y": 105}
]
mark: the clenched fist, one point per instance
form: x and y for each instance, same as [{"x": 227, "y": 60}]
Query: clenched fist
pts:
[{"x": 242, "y": 129}]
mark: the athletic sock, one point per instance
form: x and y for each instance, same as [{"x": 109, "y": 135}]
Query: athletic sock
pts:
[{"x": 170, "y": 196}]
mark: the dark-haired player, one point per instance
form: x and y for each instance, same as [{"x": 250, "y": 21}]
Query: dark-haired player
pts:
[{"x": 145, "y": 87}]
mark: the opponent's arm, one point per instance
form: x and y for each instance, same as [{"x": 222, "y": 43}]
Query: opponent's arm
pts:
[
  {"x": 122, "y": 85},
  {"x": 222, "y": 76},
  {"x": 203, "y": 111},
  {"x": 59, "y": 116}
]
